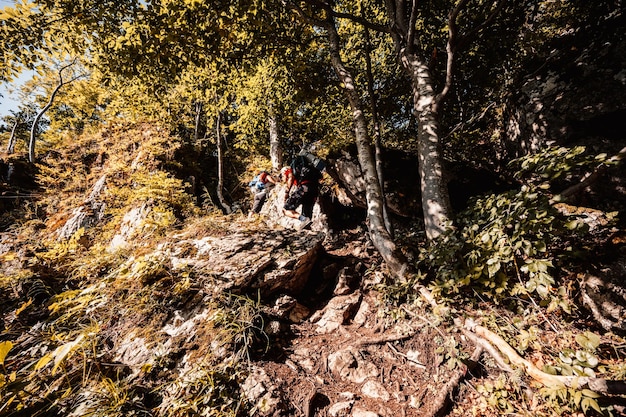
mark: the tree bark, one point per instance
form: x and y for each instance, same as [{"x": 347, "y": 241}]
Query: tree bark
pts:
[
  {"x": 394, "y": 259},
  {"x": 220, "y": 165},
  {"x": 198, "y": 108},
  {"x": 435, "y": 197},
  {"x": 377, "y": 134},
  {"x": 276, "y": 148},
  {"x": 12, "y": 138},
  {"x": 427, "y": 103}
]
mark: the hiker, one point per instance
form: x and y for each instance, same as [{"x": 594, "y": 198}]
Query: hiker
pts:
[
  {"x": 306, "y": 180},
  {"x": 259, "y": 186}
]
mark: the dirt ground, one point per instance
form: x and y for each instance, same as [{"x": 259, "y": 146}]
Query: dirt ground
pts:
[{"x": 394, "y": 368}]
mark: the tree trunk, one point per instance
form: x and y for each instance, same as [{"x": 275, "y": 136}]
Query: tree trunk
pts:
[
  {"x": 395, "y": 260},
  {"x": 377, "y": 145},
  {"x": 12, "y": 138},
  {"x": 220, "y": 165},
  {"x": 33, "y": 130},
  {"x": 276, "y": 149},
  {"x": 435, "y": 197},
  {"x": 198, "y": 108}
]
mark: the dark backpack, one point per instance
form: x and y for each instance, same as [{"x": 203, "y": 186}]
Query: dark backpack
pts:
[{"x": 307, "y": 167}]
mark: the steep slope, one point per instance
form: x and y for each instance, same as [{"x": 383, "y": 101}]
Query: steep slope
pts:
[{"x": 121, "y": 297}]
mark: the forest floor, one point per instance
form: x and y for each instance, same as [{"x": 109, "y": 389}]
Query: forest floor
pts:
[{"x": 385, "y": 361}]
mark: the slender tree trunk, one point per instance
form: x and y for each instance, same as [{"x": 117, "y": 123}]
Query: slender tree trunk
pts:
[
  {"x": 395, "y": 260},
  {"x": 12, "y": 138},
  {"x": 33, "y": 130},
  {"x": 427, "y": 103},
  {"x": 276, "y": 148},
  {"x": 435, "y": 197},
  {"x": 196, "y": 129},
  {"x": 220, "y": 165},
  {"x": 377, "y": 133}
]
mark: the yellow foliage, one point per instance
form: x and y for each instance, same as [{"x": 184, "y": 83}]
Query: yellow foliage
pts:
[{"x": 5, "y": 347}]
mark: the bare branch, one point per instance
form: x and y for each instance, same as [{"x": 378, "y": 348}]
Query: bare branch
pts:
[
  {"x": 591, "y": 178},
  {"x": 411, "y": 30},
  {"x": 451, "y": 50},
  {"x": 33, "y": 130},
  {"x": 357, "y": 19}
]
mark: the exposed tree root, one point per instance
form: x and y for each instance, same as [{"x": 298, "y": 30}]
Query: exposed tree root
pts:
[
  {"x": 595, "y": 295},
  {"x": 441, "y": 400},
  {"x": 488, "y": 347},
  {"x": 599, "y": 385}
]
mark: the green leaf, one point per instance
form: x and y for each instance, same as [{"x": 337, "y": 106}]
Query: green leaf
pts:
[{"x": 588, "y": 340}]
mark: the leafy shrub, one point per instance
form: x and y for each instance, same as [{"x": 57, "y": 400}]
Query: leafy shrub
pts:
[
  {"x": 504, "y": 244},
  {"x": 500, "y": 247}
]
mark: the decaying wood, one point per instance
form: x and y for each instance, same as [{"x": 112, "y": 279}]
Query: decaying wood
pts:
[
  {"x": 599, "y": 385},
  {"x": 384, "y": 339},
  {"x": 441, "y": 400},
  {"x": 596, "y": 295},
  {"x": 588, "y": 302}
]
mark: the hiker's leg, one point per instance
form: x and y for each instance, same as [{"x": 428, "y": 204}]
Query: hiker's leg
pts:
[
  {"x": 308, "y": 200},
  {"x": 259, "y": 199},
  {"x": 291, "y": 213},
  {"x": 292, "y": 203}
]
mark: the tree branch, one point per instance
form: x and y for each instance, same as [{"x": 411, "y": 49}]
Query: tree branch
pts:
[
  {"x": 410, "y": 36},
  {"x": 450, "y": 50},
  {"x": 33, "y": 130},
  {"x": 356, "y": 19},
  {"x": 592, "y": 177}
]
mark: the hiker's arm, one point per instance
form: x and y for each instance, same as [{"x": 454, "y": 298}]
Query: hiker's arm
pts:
[{"x": 290, "y": 181}]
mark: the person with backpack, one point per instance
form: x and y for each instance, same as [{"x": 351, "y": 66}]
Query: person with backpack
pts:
[
  {"x": 305, "y": 176},
  {"x": 259, "y": 186}
]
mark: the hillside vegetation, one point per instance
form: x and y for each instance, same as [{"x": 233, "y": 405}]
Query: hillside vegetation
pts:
[{"x": 466, "y": 255}]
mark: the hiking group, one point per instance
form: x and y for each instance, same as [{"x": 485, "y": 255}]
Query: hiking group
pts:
[{"x": 301, "y": 178}]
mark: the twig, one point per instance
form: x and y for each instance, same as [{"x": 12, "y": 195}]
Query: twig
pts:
[
  {"x": 383, "y": 339},
  {"x": 397, "y": 352}
]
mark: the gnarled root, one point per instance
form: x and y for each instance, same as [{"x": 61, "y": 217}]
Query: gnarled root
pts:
[{"x": 599, "y": 385}]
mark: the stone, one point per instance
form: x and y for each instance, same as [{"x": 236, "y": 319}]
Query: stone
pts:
[
  {"x": 262, "y": 393},
  {"x": 341, "y": 409},
  {"x": 87, "y": 215},
  {"x": 270, "y": 262},
  {"x": 359, "y": 412},
  {"x": 350, "y": 365},
  {"x": 337, "y": 312},
  {"x": 374, "y": 389}
]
